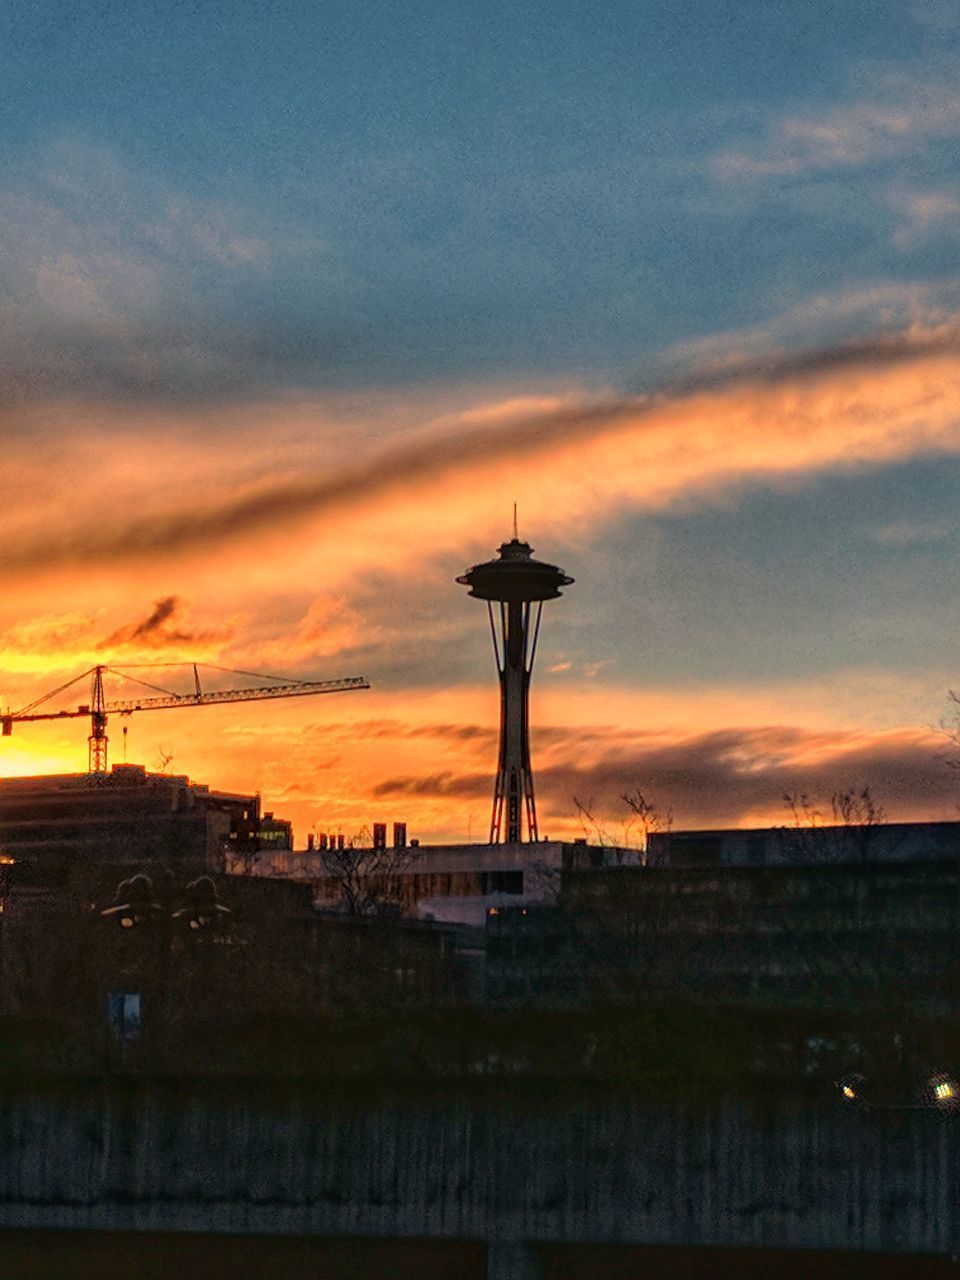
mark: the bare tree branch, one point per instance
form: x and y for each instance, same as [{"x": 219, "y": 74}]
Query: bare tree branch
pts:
[{"x": 368, "y": 878}]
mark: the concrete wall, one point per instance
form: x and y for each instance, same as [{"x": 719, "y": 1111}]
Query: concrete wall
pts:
[{"x": 791, "y": 1175}]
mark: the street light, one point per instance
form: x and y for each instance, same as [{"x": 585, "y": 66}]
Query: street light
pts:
[
  {"x": 203, "y": 908},
  {"x": 134, "y": 903},
  {"x": 137, "y": 903}
]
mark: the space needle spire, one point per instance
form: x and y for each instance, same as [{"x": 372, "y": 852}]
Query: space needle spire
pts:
[{"x": 514, "y": 587}]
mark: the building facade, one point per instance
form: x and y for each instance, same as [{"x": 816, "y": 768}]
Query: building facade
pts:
[
  {"x": 450, "y": 884},
  {"x": 802, "y": 845},
  {"x": 51, "y": 825},
  {"x": 830, "y": 937}
]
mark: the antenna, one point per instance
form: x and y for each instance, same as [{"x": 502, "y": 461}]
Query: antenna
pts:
[{"x": 515, "y": 534}]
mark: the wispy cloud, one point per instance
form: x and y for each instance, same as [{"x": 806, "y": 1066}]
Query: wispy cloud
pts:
[
  {"x": 738, "y": 776},
  {"x": 903, "y": 112},
  {"x": 824, "y": 316},
  {"x": 909, "y": 533},
  {"x": 871, "y": 402},
  {"x": 47, "y": 642},
  {"x": 923, "y": 213},
  {"x": 722, "y": 778},
  {"x": 54, "y": 642},
  {"x": 942, "y": 15},
  {"x": 118, "y": 284},
  {"x": 331, "y": 625}
]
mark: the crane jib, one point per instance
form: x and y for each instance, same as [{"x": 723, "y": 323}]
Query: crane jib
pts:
[
  {"x": 100, "y": 708},
  {"x": 300, "y": 689}
]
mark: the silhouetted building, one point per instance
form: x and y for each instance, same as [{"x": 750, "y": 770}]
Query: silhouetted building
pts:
[
  {"x": 842, "y": 936},
  {"x": 54, "y": 824},
  {"x": 801, "y": 845},
  {"x": 164, "y": 953},
  {"x": 275, "y": 833}
]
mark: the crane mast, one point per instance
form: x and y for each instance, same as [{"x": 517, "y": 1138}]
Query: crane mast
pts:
[
  {"x": 99, "y": 708},
  {"x": 97, "y": 742}
]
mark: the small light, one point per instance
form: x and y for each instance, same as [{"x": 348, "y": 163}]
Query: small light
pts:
[
  {"x": 942, "y": 1088},
  {"x": 492, "y": 911},
  {"x": 851, "y": 1087},
  {"x": 126, "y": 922}
]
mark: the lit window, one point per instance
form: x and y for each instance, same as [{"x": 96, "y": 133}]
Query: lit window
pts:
[
  {"x": 943, "y": 1088},
  {"x": 851, "y": 1087}
]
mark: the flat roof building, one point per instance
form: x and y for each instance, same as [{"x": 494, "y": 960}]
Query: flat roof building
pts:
[
  {"x": 799, "y": 845},
  {"x": 451, "y": 884},
  {"x": 124, "y": 816}
]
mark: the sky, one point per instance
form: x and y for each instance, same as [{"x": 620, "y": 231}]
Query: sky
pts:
[{"x": 297, "y": 300}]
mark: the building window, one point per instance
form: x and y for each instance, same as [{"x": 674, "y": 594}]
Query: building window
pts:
[
  {"x": 123, "y": 1014},
  {"x": 501, "y": 882}
]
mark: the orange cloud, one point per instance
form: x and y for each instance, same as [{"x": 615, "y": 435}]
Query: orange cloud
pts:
[
  {"x": 262, "y": 559},
  {"x": 330, "y": 626},
  {"x": 717, "y": 755},
  {"x": 157, "y": 632},
  {"x": 46, "y": 642},
  {"x": 866, "y": 404}
]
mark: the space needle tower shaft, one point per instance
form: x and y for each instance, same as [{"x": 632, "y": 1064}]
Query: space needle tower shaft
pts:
[{"x": 514, "y": 587}]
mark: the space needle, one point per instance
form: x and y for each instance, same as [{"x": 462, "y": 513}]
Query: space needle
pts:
[{"x": 519, "y": 585}]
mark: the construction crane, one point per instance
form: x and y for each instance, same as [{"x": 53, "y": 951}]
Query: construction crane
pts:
[{"x": 98, "y": 708}]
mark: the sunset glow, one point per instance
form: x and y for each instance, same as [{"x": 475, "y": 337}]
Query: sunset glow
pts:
[{"x": 267, "y": 386}]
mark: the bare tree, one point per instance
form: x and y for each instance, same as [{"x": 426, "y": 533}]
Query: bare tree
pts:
[
  {"x": 591, "y": 826},
  {"x": 367, "y": 879},
  {"x": 950, "y": 756},
  {"x": 854, "y": 821},
  {"x": 860, "y": 816},
  {"x": 647, "y": 819},
  {"x": 643, "y": 819},
  {"x": 238, "y": 859},
  {"x": 612, "y": 946}
]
